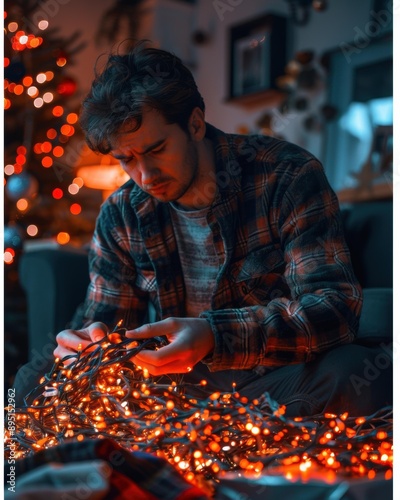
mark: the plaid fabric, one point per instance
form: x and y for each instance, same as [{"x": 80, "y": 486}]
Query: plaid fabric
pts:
[
  {"x": 137, "y": 475},
  {"x": 285, "y": 290}
]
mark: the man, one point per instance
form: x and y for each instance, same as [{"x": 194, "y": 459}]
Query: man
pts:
[{"x": 235, "y": 241}]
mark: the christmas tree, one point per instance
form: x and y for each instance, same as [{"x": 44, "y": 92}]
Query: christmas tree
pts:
[{"x": 43, "y": 198}]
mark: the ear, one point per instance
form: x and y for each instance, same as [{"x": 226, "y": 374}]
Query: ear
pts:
[{"x": 197, "y": 125}]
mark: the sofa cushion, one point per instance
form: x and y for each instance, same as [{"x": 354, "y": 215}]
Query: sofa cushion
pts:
[
  {"x": 368, "y": 229},
  {"x": 376, "y": 321}
]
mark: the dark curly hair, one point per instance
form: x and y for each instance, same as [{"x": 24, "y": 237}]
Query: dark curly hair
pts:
[{"x": 144, "y": 78}]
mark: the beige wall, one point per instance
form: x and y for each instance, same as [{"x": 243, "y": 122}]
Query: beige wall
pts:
[{"x": 325, "y": 30}]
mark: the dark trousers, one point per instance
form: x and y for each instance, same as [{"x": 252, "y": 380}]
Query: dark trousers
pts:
[{"x": 353, "y": 378}]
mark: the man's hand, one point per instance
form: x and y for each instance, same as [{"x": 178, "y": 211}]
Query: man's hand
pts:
[
  {"x": 71, "y": 341},
  {"x": 191, "y": 339}
]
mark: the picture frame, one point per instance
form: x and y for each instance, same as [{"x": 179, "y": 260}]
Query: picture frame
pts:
[{"x": 258, "y": 55}]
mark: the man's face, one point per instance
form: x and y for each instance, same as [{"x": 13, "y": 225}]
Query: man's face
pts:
[{"x": 159, "y": 157}]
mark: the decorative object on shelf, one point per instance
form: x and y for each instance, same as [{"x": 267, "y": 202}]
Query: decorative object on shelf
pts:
[
  {"x": 303, "y": 85},
  {"x": 300, "y": 10},
  {"x": 257, "y": 55}
]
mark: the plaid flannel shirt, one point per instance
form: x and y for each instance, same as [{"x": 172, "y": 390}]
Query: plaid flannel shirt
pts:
[{"x": 285, "y": 290}]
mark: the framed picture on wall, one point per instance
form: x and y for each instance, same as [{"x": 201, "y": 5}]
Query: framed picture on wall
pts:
[
  {"x": 251, "y": 56},
  {"x": 257, "y": 55}
]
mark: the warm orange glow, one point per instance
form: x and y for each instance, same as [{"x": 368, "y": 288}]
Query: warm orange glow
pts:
[
  {"x": 27, "y": 81},
  {"x": 35, "y": 42},
  {"x": 49, "y": 75},
  {"x": 61, "y": 61},
  {"x": 57, "y": 193},
  {"x": 72, "y": 118},
  {"x": 12, "y": 27},
  {"x": 63, "y": 238},
  {"x": 58, "y": 111},
  {"x": 207, "y": 436},
  {"x": 22, "y": 204},
  {"x": 51, "y": 133},
  {"x": 7, "y": 103},
  {"x": 75, "y": 209},
  {"x": 46, "y": 147},
  {"x": 20, "y": 159},
  {"x": 78, "y": 181},
  {"x": 58, "y": 151},
  {"x": 47, "y": 161},
  {"x": 100, "y": 171},
  {"x": 37, "y": 148},
  {"x": 18, "y": 89},
  {"x": 67, "y": 130}
]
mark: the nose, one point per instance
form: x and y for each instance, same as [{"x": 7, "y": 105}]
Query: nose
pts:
[
  {"x": 143, "y": 171},
  {"x": 148, "y": 171}
]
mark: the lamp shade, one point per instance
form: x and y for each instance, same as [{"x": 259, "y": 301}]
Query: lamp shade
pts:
[{"x": 99, "y": 171}]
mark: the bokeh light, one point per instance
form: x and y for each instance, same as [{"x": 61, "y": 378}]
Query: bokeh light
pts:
[
  {"x": 22, "y": 204},
  {"x": 75, "y": 209},
  {"x": 57, "y": 193},
  {"x": 63, "y": 238},
  {"x": 32, "y": 230}
]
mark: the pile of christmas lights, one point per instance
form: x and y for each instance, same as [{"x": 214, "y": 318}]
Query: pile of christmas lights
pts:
[{"x": 103, "y": 394}]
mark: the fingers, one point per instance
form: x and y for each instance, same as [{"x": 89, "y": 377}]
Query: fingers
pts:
[
  {"x": 150, "y": 330},
  {"x": 176, "y": 366},
  {"x": 166, "y": 360},
  {"x": 61, "y": 353},
  {"x": 71, "y": 341},
  {"x": 97, "y": 331},
  {"x": 161, "y": 356}
]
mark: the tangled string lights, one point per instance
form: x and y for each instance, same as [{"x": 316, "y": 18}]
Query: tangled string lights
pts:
[{"x": 103, "y": 394}]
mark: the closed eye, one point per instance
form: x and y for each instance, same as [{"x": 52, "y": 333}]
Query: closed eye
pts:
[
  {"x": 125, "y": 161},
  {"x": 158, "y": 150}
]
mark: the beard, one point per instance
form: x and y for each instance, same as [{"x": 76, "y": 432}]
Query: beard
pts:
[{"x": 177, "y": 187}]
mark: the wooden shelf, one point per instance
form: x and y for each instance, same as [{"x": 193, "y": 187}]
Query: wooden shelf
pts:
[
  {"x": 372, "y": 193},
  {"x": 268, "y": 97}
]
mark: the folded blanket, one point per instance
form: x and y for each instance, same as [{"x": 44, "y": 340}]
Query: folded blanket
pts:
[{"x": 99, "y": 468}]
